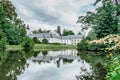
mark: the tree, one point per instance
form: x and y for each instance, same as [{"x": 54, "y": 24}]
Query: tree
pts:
[
  {"x": 58, "y": 30},
  {"x": 116, "y": 2},
  {"x": 79, "y": 33},
  {"x": 44, "y": 41},
  {"x": 91, "y": 36},
  {"x": 40, "y": 31},
  {"x": 8, "y": 22},
  {"x": 67, "y": 32},
  {"x": 28, "y": 44},
  {"x": 104, "y": 21},
  {"x": 36, "y": 40},
  {"x": 44, "y": 53},
  {"x": 12, "y": 29}
]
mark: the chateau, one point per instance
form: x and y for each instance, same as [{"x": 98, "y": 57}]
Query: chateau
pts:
[{"x": 55, "y": 38}]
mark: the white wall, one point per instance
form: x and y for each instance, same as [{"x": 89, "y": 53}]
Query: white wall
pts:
[{"x": 67, "y": 41}]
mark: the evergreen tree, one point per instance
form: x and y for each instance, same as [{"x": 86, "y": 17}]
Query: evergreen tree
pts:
[
  {"x": 44, "y": 41},
  {"x": 58, "y": 30},
  {"x": 67, "y": 32}
]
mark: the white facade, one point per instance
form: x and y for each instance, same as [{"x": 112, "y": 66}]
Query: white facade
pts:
[
  {"x": 53, "y": 38},
  {"x": 71, "y": 41}
]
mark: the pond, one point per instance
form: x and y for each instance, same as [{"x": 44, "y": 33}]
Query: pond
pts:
[{"x": 51, "y": 65}]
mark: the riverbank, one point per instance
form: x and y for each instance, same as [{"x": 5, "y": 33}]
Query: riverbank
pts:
[
  {"x": 108, "y": 43},
  {"x": 13, "y": 47},
  {"x": 38, "y": 47}
]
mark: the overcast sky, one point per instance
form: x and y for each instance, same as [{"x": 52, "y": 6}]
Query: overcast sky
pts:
[{"x": 48, "y": 14}]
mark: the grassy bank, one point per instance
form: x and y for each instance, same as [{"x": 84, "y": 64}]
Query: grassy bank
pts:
[
  {"x": 53, "y": 47},
  {"x": 13, "y": 47},
  {"x": 38, "y": 47}
]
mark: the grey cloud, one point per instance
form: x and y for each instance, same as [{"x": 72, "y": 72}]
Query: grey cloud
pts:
[
  {"x": 53, "y": 14},
  {"x": 45, "y": 16}
]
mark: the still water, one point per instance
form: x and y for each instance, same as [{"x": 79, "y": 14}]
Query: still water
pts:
[{"x": 51, "y": 65}]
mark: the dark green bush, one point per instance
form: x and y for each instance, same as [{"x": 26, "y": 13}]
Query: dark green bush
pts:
[
  {"x": 3, "y": 43},
  {"x": 56, "y": 43},
  {"x": 113, "y": 68},
  {"x": 45, "y": 41},
  {"x": 92, "y": 46},
  {"x": 83, "y": 45},
  {"x": 36, "y": 40},
  {"x": 28, "y": 43},
  {"x": 91, "y": 36}
]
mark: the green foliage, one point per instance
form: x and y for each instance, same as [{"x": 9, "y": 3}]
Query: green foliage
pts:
[
  {"x": 91, "y": 35},
  {"x": 79, "y": 33},
  {"x": 67, "y": 32},
  {"x": 113, "y": 68},
  {"x": 14, "y": 34},
  {"x": 82, "y": 45},
  {"x": 58, "y": 30},
  {"x": 56, "y": 43},
  {"x": 44, "y": 53},
  {"x": 36, "y": 40},
  {"x": 104, "y": 21},
  {"x": 3, "y": 42},
  {"x": 28, "y": 44},
  {"x": 12, "y": 29},
  {"x": 40, "y": 31},
  {"x": 116, "y": 2},
  {"x": 14, "y": 63},
  {"x": 97, "y": 47},
  {"x": 45, "y": 41},
  {"x": 109, "y": 43}
]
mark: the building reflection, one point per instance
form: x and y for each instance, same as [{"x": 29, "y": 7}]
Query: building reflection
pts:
[{"x": 58, "y": 57}]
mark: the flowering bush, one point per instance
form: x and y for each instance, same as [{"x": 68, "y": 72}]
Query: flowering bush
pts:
[{"x": 110, "y": 42}]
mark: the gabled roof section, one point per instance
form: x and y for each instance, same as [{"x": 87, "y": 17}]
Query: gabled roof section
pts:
[
  {"x": 51, "y": 35},
  {"x": 44, "y": 35}
]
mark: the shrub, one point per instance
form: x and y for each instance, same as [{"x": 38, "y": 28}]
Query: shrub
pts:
[
  {"x": 91, "y": 36},
  {"x": 3, "y": 43},
  {"x": 83, "y": 45},
  {"x": 56, "y": 43},
  {"x": 110, "y": 42},
  {"x": 113, "y": 69},
  {"x": 36, "y": 40},
  {"x": 28, "y": 43},
  {"x": 44, "y": 41}
]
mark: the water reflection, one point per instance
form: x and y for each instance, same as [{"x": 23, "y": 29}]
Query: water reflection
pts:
[
  {"x": 51, "y": 65},
  {"x": 96, "y": 60},
  {"x": 12, "y": 64}
]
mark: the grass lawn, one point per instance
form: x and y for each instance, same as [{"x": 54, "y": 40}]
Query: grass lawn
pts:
[
  {"x": 38, "y": 47},
  {"x": 14, "y": 47},
  {"x": 53, "y": 47}
]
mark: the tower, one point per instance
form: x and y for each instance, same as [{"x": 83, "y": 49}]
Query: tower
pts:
[{"x": 28, "y": 30}]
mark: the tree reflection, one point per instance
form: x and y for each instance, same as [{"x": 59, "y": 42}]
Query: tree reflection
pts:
[
  {"x": 44, "y": 53},
  {"x": 65, "y": 60},
  {"x": 58, "y": 62},
  {"x": 13, "y": 63},
  {"x": 96, "y": 62},
  {"x": 36, "y": 53}
]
